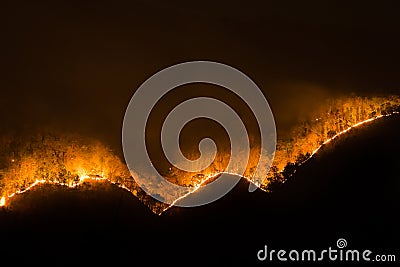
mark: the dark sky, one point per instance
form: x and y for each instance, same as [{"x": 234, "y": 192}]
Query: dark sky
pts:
[{"x": 75, "y": 65}]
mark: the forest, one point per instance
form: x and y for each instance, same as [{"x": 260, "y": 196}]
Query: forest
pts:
[
  {"x": 70, "y": 160},
  {"x": 334, "y": 117},
  {"x": 61, "y": 159}
]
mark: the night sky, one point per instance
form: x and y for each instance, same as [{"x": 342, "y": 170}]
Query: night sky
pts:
[{"x": 74, "y": 66}]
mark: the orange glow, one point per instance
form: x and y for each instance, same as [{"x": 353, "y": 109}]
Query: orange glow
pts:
[
  {"x": 335, "y": 117},
  {"x": 67, "y": 162}
]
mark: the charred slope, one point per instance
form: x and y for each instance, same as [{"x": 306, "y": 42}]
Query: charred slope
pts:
[
  {"x": 55, "y": 224},
  {"x": 350, "y": 190}
]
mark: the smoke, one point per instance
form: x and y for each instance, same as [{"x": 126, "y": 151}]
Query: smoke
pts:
[
  {"x": 74, "y": 68},
  {"x": 294, "y": 102}
]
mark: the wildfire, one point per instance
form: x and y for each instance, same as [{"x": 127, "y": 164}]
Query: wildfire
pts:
[
  {"x": 199, "y": 185},
  {"x": 348, "y": 129},
  {"x": 335, "y": 117},
  {"x": 82, "y": 179},
  {"x": 66, "y": 162}
]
